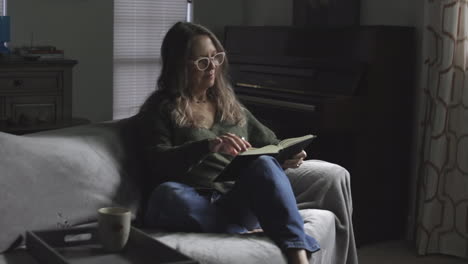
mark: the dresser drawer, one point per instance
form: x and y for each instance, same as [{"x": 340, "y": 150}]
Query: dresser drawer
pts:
[
  {"x": 30, "y": 81},
  {"x": 33, "y": 110}
]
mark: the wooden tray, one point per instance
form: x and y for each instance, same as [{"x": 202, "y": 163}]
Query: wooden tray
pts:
[{"x": 81, "y": 245}]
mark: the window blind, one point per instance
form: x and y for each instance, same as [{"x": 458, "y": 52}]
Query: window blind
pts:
[{"x": 139, "y": 29}]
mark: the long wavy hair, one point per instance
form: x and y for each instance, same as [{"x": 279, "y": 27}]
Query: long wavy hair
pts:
[{"x": 173, "y": 80}]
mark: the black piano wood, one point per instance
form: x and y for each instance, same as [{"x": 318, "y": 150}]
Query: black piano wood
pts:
[{"x": 353, "y": 87}]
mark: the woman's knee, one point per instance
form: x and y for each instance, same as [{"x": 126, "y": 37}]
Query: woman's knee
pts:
[
  {"x": 171, "y": 193},
  {"x": 170, "y": 205},
  {"x": 265, "y": 166},
  {"x": 167, "y": 195},
  {"x": 170, "y": 187},
  {"x": 265, "y": 171},
  {"x": 265, "y": 160},
  {"x": 266, "y": 163},
  {"x": 164, "y": 190}
]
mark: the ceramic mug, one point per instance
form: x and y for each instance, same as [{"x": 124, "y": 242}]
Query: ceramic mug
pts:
[{"x": 114, "y": 227}]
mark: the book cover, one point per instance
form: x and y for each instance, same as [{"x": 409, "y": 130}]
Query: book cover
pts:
[{"x": 284, "y": 150}]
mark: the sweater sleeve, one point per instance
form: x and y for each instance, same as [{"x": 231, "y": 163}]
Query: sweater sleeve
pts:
[
  {"x": 166, "y": 160},
  {"x": 258, "y": 134}
]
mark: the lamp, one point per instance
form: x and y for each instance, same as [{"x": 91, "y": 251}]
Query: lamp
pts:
[{"x": 4, "y": 34}]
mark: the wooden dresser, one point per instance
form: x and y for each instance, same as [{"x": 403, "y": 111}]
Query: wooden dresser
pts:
[{"x": 35, "y": 95}]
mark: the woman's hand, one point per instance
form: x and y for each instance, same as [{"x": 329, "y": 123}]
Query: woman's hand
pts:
[
  {"x": 295, "y": 161},
  {"x": 229, "y": 143}
]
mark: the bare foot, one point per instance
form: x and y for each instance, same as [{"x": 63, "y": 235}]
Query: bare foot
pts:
[
  {"x": 258, "y": 230},
  {"x": 254, "y": 231},
  {"x": 297, "y": 256}
]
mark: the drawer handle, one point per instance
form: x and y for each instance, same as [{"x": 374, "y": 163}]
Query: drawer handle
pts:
[{"x": 18, "y": 83}]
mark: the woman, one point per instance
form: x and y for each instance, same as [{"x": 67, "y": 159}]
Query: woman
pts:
[{"x": 196, "y": 126}]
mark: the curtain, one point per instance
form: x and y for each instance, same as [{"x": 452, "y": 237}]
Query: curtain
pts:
[
  {"x": 442, "y": 188},
  {"x": 139, "y": 28},
  {"x": 3, "y": 6}
]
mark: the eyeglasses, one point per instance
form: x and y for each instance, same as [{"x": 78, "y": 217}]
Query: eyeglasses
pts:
[{"x": 203, "y": 63}]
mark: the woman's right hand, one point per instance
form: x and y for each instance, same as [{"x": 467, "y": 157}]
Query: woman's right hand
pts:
[{"x": 229, "y": 143}]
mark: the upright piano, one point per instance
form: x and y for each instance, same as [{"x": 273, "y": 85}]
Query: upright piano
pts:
[{"x": 353, "y": 87}]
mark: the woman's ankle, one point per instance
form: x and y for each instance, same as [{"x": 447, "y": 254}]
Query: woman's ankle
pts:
[{"x": 297, "y": 256}]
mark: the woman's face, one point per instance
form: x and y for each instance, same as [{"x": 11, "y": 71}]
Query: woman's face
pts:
[{"x": 202, "y": 46}]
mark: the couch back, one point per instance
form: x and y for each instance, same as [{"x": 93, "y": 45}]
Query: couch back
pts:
[{"x": 59, "y": 178}]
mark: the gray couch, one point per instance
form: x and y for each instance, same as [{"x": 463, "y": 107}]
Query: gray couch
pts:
[{"x": 59, "y": 178}]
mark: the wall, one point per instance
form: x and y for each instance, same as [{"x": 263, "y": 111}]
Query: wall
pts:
[
  {"x": 395, "y": 12},
  {"x": 215, "y": 14},
  {"x": 384, "y": 12},
  {"x": 279, "y": 12},
  {"x": 268, "y": 12},
  {"x": 83, "y": 28}
]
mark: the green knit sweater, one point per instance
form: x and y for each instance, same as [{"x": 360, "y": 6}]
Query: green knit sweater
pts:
[{"x": 182, "y": 154}]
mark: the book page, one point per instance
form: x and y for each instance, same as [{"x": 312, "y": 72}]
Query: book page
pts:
[
  {"x": 268, "y": 149},
  {"x": 291, "y": 141}
]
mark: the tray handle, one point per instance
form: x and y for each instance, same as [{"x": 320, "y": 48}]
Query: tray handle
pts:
[{"x": 69, "y": 237}]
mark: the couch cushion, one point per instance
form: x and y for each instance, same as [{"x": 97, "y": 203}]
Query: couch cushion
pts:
[
  {"x": 251, "y": 248},
  {"x": 60, "y": 178}
]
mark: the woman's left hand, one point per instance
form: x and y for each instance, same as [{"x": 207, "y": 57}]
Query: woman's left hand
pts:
[{"x": 295, "y": 161}]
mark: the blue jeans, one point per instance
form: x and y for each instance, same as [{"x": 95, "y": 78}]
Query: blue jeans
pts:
[{"x": 262, "y": 196}]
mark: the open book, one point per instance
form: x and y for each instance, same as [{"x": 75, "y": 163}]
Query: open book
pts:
[{"x": 284, "y": 150}]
